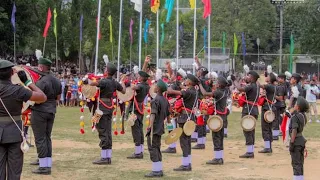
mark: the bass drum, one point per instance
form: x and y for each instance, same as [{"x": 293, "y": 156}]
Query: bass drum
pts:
[{"x": 31, "y": 74}]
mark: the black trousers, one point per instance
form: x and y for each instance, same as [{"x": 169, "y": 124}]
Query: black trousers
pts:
[
  {"x": 250, "y": 135},
  {"x": 92, "y": 106},
  {"x": 225, "y": 122},
  {"x": 266, "y": 128},
  {"x": 105, "y": 131},
  {"x": 42, "y": 124},
  {"x": 154, "y": 148},
  {"x": 297, "y": 160},
  {"x": 278, "y": 120},
  {"x": 185, "y": 143},
  {"x": 137, "y": 130},
  {"x": 11, "y": 161}
]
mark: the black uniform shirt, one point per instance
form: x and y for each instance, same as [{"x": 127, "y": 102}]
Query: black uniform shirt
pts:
[
  {"x": 13, "y": 97},
  {"x": 160, "y": 108},
  {"x": 270, "y": 93},
  {"x": 142, "y": 91},
  {"x": 189, "y": 97},
  {"x": 107, "y": 87},
  {"x": 281, "y": 91},
  {"x": 51, "y": 87},
  {"x": 252, "y": 92},
  {"x": 221, "y": 96},
  {"x": 298, "y": 121}
]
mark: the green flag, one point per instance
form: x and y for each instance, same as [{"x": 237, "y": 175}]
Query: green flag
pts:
[
  {"x": 235, "y": 44},
  {"x": 55, "y": 22},
  {"x": 291, "y": 52},
  {"x": 224, "y": 43},
  {"x": 110, "y": 21},
  {"x": 162, "y": 34}
]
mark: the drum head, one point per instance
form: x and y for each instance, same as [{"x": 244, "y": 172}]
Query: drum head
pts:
[
  {"x": 248, "y": 123},
  {"x": 151, "y": 91},
  {"x": 88, "y": 91},
  {"x": 215, "y": 123},
  {"x": 269, "y": 116},
  {"x": 127, "y": 96},
  {"x": 189, "y": 127},
  {"x": 173, "y": 136}
]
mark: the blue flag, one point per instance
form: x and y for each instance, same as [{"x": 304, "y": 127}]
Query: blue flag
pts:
[
  {"x": 13, "y": 17},
  {"x": 81, "y": 24},
  {"x": 205, "y": 38},
  {"x": 169, "y": 6},
  {"x": 243, "y": 44},
  {"x": 146, "y": 30}
]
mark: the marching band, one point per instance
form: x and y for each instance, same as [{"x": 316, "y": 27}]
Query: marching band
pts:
[{"x": 183, "y": 103}]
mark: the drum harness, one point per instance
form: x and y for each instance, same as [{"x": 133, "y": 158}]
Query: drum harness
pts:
[
  {"x": 215, "y": 106},
  {"x": 270, "y": 103},
  {"x": 254, "y": 102},
  {"x": 195, "y": 104},
  {"x": 24, "y": 146}
]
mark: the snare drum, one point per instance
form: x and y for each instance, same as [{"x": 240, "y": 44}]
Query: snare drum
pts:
[
  {"x": 215, "y": 123},
  {"x": 269, "y": 116},
  {"x": 127, "y": 96},
  {"x": 248, "y": 123},
  {"x": 31, "y": 75}
]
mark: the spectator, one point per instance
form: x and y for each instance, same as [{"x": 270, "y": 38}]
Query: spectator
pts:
[{"x": 311, "y": 96}]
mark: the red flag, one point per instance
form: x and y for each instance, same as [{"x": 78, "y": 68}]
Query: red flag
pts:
[
  {"x": 45, "y": 33},
  {"x": 207, "y": 8},
  {"x": 99, "y": 29},
  {"x": 284, "y": 126}
]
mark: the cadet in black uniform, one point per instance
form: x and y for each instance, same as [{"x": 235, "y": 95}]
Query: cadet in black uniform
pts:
[
  {"x": 13, "y": 96},
  {"x": 252, "y": 92},
  {"x": 142, "y": 90},
  {"x": 190, "y": 98},
  {"x": 296, "y": 89},
  {"x": 297, "y": 142},
  {"x": 107, "y": 87},
  {"x": 42, "y": 116},
  {"x": 201, "y": 129},
  {"x": 175, "y": 86},
  {"x": 280, "y": 105},
  {"x": 220, "y": 96},
  {"x": 266, "y": 128},
  {"x": 159, "y": 112}
]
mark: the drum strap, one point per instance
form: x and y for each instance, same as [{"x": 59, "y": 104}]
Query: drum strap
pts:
[
  {"x": 105, "y": 105},
  {"x": 222, "y": 113}
]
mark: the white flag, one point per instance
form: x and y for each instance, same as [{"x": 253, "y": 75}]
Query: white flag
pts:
[{"x": 137, "y": 5}]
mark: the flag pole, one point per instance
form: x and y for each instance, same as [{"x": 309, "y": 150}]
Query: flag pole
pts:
[
  {"x": 140, "y": 37},
  {"x": 56, "y": 54},
  {"x": 97, "y": 40},
  {"x": 209, "y": 44},
  {"x": 14, "y": 48},
  {"x": 119, "y": 40},
  {"x": 158, "y": 39},
  {"x": 194, "y": 34},
  {"x": 44, "y": 45},
  {"x": 177, "y": 28}
]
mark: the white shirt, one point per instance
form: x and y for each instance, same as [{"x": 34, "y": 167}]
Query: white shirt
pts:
[{"x": 311, "y": 97}]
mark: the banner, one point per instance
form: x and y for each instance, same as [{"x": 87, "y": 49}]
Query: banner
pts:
[
  {"x": 169, "y": 6},
  {"x": 207, "y": 8},
  {"x": 224, "y": 42},
  {"x": 235, "y": 44},
  {"x": 13, "y": 17},
  {"x": 55, "y": 22},
  {"x": 146, "y": 31},
  {"x": 162, "y": 34},
  {"x": 130, "y": 31},
  {"x": 110, "y": 22},
  {"x": 46, "y": 28},
  {"x": 243, "y": 44}
]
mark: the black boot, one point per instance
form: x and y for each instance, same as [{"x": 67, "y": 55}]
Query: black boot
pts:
[
  {"x": 183, "y": 168},
  {"x": 136, "y": 156},
  {"x": 265, "y": 150},
  {"x": 199, "y": 146},
  {"x": 275, "y": 138},
  {"x": 42, "y": 171},
  {"x": 154, "y": 174},
  {"x": 102, "y": 161},
  {"x": 35, "y": 163},
  {"x": 215, "y": 161},
  {"x": 225, "y": 135},
  {"x": 194, "y": 140},
  {"x": 247, "y": 155},
  {"x": 170, "y": 150}
]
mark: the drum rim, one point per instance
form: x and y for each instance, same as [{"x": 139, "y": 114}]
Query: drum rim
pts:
[
  {"x": 251, "y": 117},
  {"x": 179, "y": 131},
  {"x": 269, "y": 111},
  {"x": 185, "y": 126},
  {"x": 215, "y": 117}
]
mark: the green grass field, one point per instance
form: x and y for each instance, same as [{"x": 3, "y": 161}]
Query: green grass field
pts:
[{"x": 74, "y": 153}]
